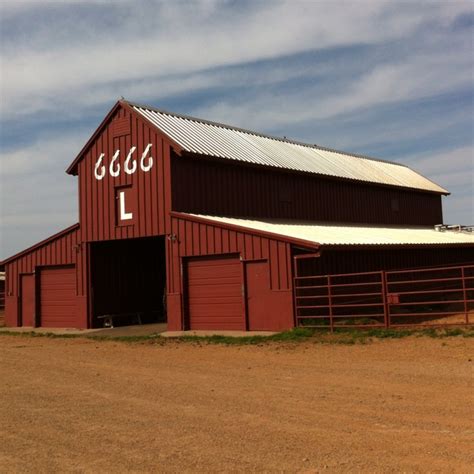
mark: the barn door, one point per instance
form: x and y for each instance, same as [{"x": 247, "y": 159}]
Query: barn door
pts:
[
  {"x": 28, "y": 300},
  {"x": 258, "y": 286},
  {"x": 58, "y": 297},
  {"x": 214, "y": 293}
]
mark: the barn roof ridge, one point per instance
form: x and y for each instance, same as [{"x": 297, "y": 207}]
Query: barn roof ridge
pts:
[
  {"x": 260, "y": 134},
  {"x": 207, "y": 138},
  {"x": 203, "y": 137}
]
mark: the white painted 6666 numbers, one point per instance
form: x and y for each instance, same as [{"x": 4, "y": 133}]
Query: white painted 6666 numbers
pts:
[{"x": 130, "y": 165}]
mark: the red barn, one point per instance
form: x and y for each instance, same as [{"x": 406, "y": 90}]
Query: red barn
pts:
[{"x": 201, "y": 224}]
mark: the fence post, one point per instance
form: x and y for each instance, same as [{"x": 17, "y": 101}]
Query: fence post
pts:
[
  {"x": 386, "y": 306},
  {"x": 295, "y": 290},
  {"x": 464, "y": 294},
  {"x": 331, "y": 321},
  {"x": 295, "y": 301}
]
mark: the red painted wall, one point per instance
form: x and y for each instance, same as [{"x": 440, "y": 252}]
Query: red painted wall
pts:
[
  {"x": 148, "y": 193},
  {"x": 27, "y": 300},
  {"x": 257, "y": 280},
  {"x": 239, "y": 190},
  {"x": 65, "y": 248},
  {"x": 192, "y": 238}
]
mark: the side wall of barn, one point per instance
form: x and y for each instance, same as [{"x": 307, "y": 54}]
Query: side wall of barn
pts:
[
  {"x": 65, "y": 248},
  {"x": 191, "y": 238},
  {"x": 353, "y": 260},
  {"x": 239, "y": 190}
]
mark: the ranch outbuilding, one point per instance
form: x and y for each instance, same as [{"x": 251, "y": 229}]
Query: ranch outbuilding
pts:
[{"x": 208, "y": 226}]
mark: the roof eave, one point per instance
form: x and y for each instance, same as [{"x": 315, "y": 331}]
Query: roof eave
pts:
[
  {"x": 270, "y": 235},
  {"x": 49, "y": 239},
  {"x": 72, "y": 169},
  {"x": 395, "y": 245},
  {"x": 221, "y": 159}
]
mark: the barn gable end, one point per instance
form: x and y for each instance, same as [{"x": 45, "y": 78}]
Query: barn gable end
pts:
[{"x": 124, "y": 179}]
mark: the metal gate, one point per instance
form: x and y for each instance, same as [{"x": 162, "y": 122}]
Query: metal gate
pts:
[{"x": 441, "y": 296}]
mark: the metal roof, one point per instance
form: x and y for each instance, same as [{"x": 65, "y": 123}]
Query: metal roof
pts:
[
  {"x": 330, "y": 234},
  {"x": 223, "y": 141}
]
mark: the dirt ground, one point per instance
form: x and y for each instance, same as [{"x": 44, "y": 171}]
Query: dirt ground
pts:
[{"x": 86, "y": 406}]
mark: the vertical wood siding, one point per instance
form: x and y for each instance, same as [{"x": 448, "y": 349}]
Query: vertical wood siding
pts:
[
  {"x": 151, "y": 190},
  {"x": 237, "y": 190},
  {"x": 67, "y": 248},
  {"x": 199, "y": 239},
  {"x": 64, "y": 250},
  {"x": 191, "y": 238}
]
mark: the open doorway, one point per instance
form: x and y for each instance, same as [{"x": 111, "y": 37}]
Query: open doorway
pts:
[{"x": 128, "y": 280}]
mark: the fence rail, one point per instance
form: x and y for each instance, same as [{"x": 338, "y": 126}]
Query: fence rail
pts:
[{"x": 441, "y": 296}]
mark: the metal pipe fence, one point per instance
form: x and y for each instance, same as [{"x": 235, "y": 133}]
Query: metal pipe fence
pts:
[{"x": 425, "y": 297}]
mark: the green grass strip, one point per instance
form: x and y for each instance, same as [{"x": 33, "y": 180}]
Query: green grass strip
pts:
[{"x": 339, "y": 336}]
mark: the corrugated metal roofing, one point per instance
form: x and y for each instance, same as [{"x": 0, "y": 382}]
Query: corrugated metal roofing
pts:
[
  {"x": 222, "y": 141},
  {"x": 328, "y": 234}
]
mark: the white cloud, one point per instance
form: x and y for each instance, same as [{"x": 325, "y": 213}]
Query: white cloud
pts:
[
  {"x": 50, "y": 152},
  {"x": 454, "y": 168},
  {"x": 33, "y": 207},
  {"x": 389, "y": 83},
  {"x": 190, "y": 37},
  {"x": 36, "y": 195}
]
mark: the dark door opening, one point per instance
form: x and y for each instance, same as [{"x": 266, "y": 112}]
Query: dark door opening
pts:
[{"x": 128, "y": 279}]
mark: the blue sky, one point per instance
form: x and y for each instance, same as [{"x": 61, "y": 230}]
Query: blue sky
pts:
[{"x": 389, "y": 79}]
